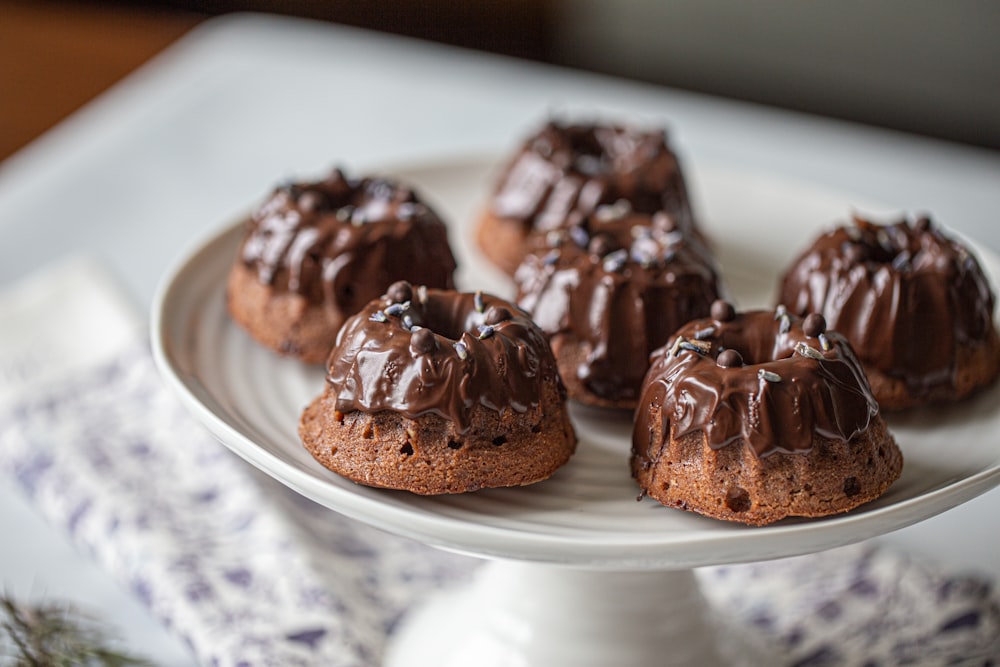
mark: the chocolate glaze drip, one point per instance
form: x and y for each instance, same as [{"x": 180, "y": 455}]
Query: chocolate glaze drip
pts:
[
  {"x": 777, "y": 401},
  {"x": 480, "y": 351},
  {"x": 342, "y": 241},
  {"x": 564, "y": 172},
  {"x": 905, "y": 295},
  {"x": 621, "y": 283}
]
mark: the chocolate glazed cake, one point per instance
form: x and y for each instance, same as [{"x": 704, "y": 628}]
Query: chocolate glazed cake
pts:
[
  {"x": 315, "y": 253},
  {"x": 756, "y": 416},
  {"x": 435, "y": 391},
  {"x": 913, "y": 302},
  {"x": 566, "y": 171},
  {"x": 610, "y": 291}
]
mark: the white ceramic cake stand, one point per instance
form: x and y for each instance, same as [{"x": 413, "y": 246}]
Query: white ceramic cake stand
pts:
[{"x": 580, "y": 572}]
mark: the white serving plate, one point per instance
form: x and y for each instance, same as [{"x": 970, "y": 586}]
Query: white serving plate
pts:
[{"x": 586, "y": 515}]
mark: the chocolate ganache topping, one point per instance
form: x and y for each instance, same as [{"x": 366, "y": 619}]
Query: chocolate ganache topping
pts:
[
  {"x": 342, "y": 241},
  {"x": 418, "y": 350},
  {"x": 905, "y": 295},
  {"x": 564, "y": 172},
  {"x": 619, "y": 284},
  {"x": 767, "y": 379}
]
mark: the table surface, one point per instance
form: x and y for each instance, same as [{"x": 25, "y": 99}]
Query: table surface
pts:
[{"x": 205, "y": 129}]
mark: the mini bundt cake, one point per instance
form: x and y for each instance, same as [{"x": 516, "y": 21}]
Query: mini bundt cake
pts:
[
  {"x": 913, "y": 303},
  {"x": 756, "y": 416},
  {"x": 315, "y": 253},
  {"x": 435, "y": 391},
  {"x": 564, "y": 172},
  {"x": 611, "y": 290}
]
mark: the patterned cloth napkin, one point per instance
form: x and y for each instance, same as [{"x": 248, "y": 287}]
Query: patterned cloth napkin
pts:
[{"x": 249, "y": 573}]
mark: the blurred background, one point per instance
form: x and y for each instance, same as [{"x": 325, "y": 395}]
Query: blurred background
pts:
[{"x": 919, "y": 66}]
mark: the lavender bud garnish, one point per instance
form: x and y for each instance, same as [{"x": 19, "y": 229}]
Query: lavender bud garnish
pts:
[
  {"x": 378, "y": 316},
  {"x": 809, "y": 351},
  {"x": 702, "y": 334},
  {"x": 768, "y": 376},
  {"x": 461, "y": 350},
  {"x": 615, "y": 261},
  {"x": 397, "y": 309}
]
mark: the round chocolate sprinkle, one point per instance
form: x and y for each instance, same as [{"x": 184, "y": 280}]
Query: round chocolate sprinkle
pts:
[
  {"x": 497, "y": 314},
  {"x": 400, "y": 291},
  {"x": 602, "y": 244},
  {"x": 729, "y": 359},
  {"x": 814, "y": 325},
  {"x": 422, "y": 341},
  {"x": 722, "y": 311}
]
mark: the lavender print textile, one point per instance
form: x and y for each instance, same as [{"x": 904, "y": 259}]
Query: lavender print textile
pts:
[{"x": 248, "y": 573}]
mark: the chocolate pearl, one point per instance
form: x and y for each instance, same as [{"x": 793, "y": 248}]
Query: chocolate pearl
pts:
[
  {"x": 601, "y": 245},
  {"x": 400, "y": 291},
  {"x": 497, "y": 314},
  {"x": 814, "y": 325},
  {"x": 722, "y": 311},
  {"x": 729, "y": 359},
  {"x": 422, "y": 341}
]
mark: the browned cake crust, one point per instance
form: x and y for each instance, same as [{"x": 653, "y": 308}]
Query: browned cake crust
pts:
[
  {"x": 733, "y": 484},
  {"x": 281, "y": 320},
  {"x": 975, "y": 368},
  {"x": 315, "y": 252},
  {"x": 757, "y": 416},
  {"x": 428, "y": 455},
  {"x": 502, "y": 240}
]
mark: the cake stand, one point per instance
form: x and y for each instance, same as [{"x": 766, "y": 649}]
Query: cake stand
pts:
[{"x": 580, "y": 573}]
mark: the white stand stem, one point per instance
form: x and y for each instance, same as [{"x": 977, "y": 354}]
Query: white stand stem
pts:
[{"x": 527, "y": 615}]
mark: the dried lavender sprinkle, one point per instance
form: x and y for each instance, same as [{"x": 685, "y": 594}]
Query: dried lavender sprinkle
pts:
[
  {"x": 397, "y": 309},
  {"x": 461, "y": 350},
  {"x": 551, "y": 257},
  {"x": 378, "y": 316},
  {"x": 901, "y": 262},
  {"x": 702, "y": 334},
  {"x": 478, "y": 301},
  {"x": 701, "y": 347},
  {"x": 579, "y": 236},
  {"x": 786, "y": 324},
  {"x": 485, "y": 331},
  {"x": 615, "y": 261},
  {"x": 780, "y": 310},
  {"x": 407, "y": 322},
  {"x": 768, "y": 376},
  {"x": 676, "y": 347},
  {"x": 808, "y": 351},
  {"x": 824, "y": 342}
]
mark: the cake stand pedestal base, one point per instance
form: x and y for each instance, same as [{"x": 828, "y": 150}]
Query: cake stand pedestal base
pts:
[{"x": 527, "y": 615}]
